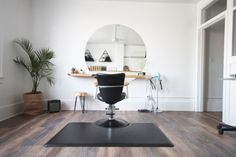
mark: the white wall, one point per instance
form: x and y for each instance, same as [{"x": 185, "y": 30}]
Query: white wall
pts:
[
  {"x": 15, "y": 19},
  {"x": 168, "y": 31}
]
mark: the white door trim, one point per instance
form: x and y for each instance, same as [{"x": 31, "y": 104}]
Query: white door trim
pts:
[
  {"x": 199, "y": 106},
  {"x": 228, "y": 60},
  {"x": 1, "y": 55}
]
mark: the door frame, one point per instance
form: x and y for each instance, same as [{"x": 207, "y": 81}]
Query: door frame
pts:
[{"x": 199, "y": 102}]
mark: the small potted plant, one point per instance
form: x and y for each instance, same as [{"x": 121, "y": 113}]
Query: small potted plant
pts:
[{"x": 39, "y": 66}]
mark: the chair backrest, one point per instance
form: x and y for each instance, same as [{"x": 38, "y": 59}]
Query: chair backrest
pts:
[{"x": 111, "y": 87}]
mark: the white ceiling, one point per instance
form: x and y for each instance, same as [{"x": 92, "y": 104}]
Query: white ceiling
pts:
[{"x": 164, "y": 1}]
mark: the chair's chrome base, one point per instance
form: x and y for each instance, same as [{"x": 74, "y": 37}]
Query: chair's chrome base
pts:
[{"x": 112, "y": 123}]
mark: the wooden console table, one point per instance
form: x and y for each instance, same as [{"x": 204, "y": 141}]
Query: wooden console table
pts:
[{"x": 127, "y": 76}]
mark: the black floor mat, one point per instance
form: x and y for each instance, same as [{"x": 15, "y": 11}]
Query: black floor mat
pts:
[{"x": 91, "y": 135}]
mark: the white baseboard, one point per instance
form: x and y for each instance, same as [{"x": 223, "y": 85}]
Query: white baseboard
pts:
[
  {"x": 177, "y": 104},
  {"x": 11, "y": 110},
  {"x": 214, "y": 105},
  {"x": 132, "y": 104}
]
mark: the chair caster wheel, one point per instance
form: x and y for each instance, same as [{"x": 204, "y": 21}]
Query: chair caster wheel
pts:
[
  {"x": 222, "y": 127},
  {"x": 219, "y": 126},
  {"x": 220, "y": 131}
]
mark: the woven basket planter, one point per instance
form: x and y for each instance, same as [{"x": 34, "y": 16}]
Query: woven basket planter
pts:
[{"x": 33, "y": 103}]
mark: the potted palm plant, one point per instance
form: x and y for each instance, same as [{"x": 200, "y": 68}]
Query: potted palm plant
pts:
[{"x": 39, "y": 66}]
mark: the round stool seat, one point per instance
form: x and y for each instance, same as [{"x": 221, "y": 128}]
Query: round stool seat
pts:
[{"x": 81, "y": 94}]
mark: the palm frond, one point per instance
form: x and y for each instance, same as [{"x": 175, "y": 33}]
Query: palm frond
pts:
[
  {"x": 21, "y": 61},
  {"x": 39, "y": 65},
  {"x": 50, "y": 80},
  {"x": 26, "y": 46},
  {"x": 45, "y": 55}
]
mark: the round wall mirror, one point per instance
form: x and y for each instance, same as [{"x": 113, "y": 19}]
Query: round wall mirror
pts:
[{"x": 115, "y": 48}]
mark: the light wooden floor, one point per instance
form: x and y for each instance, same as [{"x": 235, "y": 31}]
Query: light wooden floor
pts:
[{"x": 193, "y": 134}]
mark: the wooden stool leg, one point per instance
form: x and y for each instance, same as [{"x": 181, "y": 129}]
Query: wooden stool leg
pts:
[
  {"x": 82, "y": 103},
  {"x": 75, "y": 103},
  {"x": 96, "y": 92}
]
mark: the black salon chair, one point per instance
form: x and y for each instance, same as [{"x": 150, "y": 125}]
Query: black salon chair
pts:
[{"x": 111, "y": 87}]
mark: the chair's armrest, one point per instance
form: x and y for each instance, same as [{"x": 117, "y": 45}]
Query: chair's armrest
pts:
[
  {"x": 115, "y": 86},
  {"x": 125, "y": 83}
]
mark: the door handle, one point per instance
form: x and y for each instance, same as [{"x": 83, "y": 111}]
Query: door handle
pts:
[{"x": 232, "y": 77}]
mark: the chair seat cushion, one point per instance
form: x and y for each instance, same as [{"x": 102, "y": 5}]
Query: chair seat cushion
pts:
[{"x": 123, "y": 95}]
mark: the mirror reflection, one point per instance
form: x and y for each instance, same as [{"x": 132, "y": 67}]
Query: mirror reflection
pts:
[{"x": 115, "y": 48}]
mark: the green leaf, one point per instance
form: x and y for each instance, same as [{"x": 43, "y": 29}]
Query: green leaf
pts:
[
  {"x": 21, "y": 61},
  {"x": 39, "y": 65}
]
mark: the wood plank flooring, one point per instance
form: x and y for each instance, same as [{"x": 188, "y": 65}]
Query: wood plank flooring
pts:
[{"x": 193, "y": 134}]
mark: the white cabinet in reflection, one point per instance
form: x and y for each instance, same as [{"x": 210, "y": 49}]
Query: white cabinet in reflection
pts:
[{"x": 135, "y": 57}]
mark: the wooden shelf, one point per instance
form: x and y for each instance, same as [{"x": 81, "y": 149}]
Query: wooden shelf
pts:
[
  {"x": 127, "y": 76},
  {"x": 81, "y": 75},
  {"x": 138, "y": 76}
]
